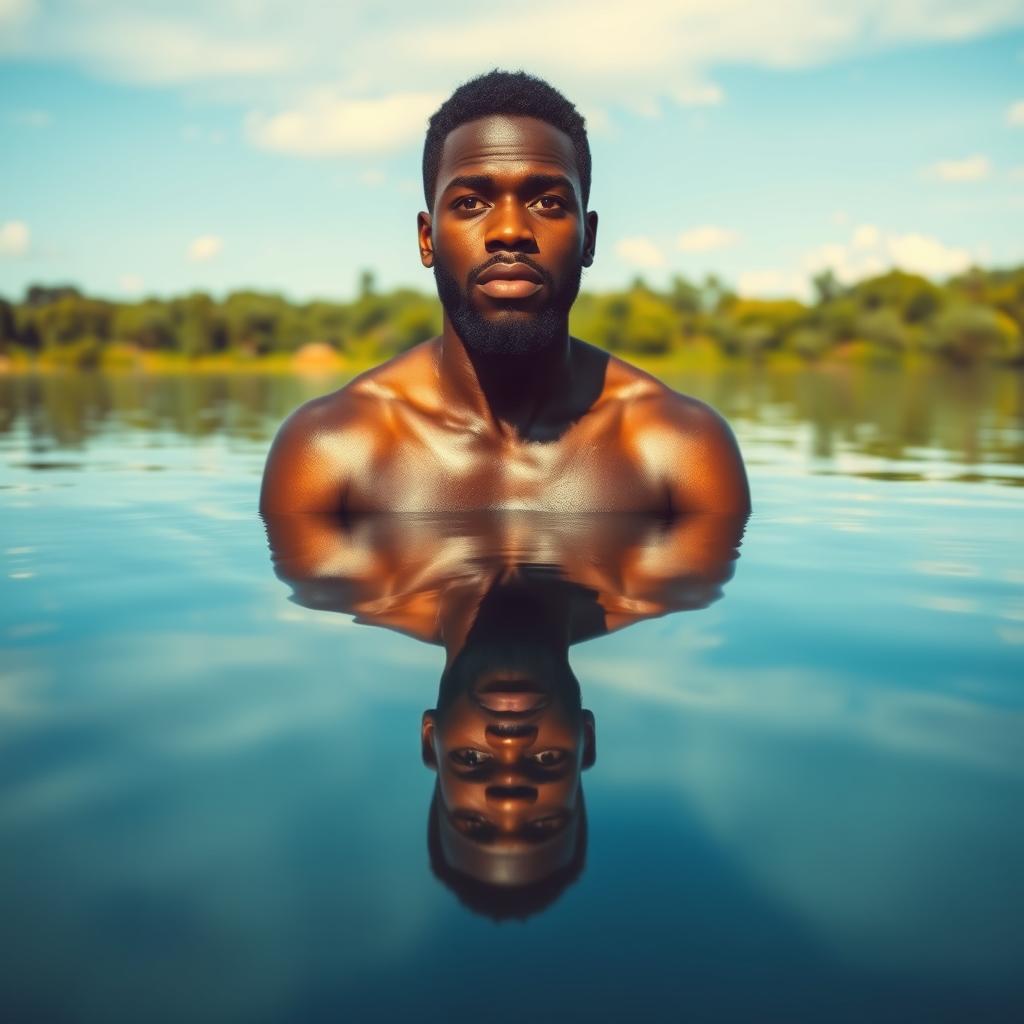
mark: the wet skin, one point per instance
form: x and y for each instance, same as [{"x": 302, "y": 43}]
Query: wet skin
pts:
[
  {"x": 509, "y": 779},
  {"x": 445, "y": 427},
  {"x": 426, "y": 577},
  {"x": 506, "y": 594}
]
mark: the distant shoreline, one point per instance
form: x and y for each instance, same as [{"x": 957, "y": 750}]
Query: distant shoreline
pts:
[
  {"x": 894, "y": 318},
  {"x": 701, "y": 357}
]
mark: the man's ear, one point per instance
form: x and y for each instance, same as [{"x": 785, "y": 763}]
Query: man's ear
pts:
[
  {"x": 589, "y": 238},
  {"x": 589, "y": 740},
  {"x": 424, "y": 227},
  {"x": 427, "y": 740}
]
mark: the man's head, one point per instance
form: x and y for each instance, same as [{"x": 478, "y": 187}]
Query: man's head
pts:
[
  {"x": 506, "y": 174},
  {"x": 508, "y": 740},
  {"x": 512, "y": 94}
]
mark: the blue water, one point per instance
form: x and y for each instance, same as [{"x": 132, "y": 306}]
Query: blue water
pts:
[{"x": 806, "y": 802}]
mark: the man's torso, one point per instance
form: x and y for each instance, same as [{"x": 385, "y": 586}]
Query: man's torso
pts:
[{"x": 414, "y": 454}]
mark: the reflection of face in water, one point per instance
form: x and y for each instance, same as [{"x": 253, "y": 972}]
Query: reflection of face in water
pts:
[
  {"x": 507, "y": 826},
  {"x": 509, "y": 739}
]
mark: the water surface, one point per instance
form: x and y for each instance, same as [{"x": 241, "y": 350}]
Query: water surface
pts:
[{"x": 806, "y": 790}]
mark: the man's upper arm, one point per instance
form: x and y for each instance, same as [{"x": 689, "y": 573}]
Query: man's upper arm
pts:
[
  {"x": 308, "y": 467},
  {"x": 703, "y": 466}
]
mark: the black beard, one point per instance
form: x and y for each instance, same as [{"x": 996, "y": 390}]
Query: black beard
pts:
[{"x": 508, "y": 333}]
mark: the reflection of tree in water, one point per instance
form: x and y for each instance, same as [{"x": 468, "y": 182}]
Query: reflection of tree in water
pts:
[
  {"x": 506, "y": 596},
  {"x": 970, "y": 415},
  {"x": 70, "y": 409}
]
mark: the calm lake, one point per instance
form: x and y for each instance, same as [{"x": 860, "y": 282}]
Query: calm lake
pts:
[{"x": 806, "y": 796}]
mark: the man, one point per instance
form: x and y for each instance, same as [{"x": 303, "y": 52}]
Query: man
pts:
[
  {"x": 504, "y": 410},
  {"x": 506, "y": 594}
]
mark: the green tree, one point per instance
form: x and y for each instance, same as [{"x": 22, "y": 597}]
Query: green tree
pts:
[{"x": 965, "y": 333}]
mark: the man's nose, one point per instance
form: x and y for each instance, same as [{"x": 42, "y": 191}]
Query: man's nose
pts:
[
  {"x": 508, "y": 740},
  {"x": 509, "y": 228}
]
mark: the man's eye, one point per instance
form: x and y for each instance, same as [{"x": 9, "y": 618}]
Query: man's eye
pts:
[
  {"x": 551, "y": 203},
  {"x": 549, "y": 758},
  {"x": 470, "y": 757},
  {"x": 468, "y": 203}
]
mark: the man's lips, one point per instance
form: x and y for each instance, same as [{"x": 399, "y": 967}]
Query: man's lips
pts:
[{"x": 510, "y": 281}]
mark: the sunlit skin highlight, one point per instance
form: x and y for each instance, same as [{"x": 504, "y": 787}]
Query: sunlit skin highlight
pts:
[{"x": 561, "y": 426}]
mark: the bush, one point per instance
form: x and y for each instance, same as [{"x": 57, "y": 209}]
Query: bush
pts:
[
  {"x": 966, "y": 333},
  {"x": 885, "y": 330}
]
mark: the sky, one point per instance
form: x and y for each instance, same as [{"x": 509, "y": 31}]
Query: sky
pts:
[{"x": 151, "y": 147}]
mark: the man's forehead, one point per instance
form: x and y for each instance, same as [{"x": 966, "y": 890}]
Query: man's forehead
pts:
[{"x": 506, "y": 139}]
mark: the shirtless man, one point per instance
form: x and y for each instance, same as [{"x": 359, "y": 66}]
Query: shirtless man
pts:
[{"x": 504, "y": 410}]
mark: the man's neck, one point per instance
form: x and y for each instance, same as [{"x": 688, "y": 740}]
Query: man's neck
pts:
[{"x": 517, "y": 396}]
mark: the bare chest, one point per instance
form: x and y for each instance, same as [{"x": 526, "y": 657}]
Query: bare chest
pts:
[{"x": 587, "y": 469}]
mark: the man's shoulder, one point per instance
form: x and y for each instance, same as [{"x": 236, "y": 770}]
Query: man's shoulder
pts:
[
  {"x": 650, "y": 404},
  {"x": 331, "y": 440},
  {"x": 680, "y": 440},
  {"x": 365, "y": 398}
]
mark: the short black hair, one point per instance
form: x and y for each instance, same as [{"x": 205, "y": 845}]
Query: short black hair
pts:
[
  {"x": 504, "y": 92},
  {"x": 500, "y": 902}
]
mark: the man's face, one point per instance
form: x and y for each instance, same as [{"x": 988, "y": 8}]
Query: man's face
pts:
[
  {"x": 508, "y": 237},
  {"x": 508, "y": 754},
  {"x": 509, "y": 740}
]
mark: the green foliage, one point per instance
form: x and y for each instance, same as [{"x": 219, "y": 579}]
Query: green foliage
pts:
[
  {"x": 809, "y": 342},
  {"x": 975, "y": 316},
  {"x": 8, "y": 326},
  {"x": 884, "y": 329},
  {"x": 148, "y": 324},
  {"x": 966, "y": 333},
  {"x": 69, "y": 319}
]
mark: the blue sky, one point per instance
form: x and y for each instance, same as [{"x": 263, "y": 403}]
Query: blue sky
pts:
[{"x": 152, "y": 147}]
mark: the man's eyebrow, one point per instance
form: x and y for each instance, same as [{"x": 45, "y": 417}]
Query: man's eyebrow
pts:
[
  {"x": 540, "y": 182},
  {"x": 476, "y": 182},
  {"x": 531, "y": 183}
]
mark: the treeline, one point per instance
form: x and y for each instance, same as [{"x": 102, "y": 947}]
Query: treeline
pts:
[{"x": 973, "y": 317}]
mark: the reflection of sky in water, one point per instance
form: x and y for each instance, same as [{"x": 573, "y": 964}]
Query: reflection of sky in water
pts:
[{"x": 806, "y": 802}]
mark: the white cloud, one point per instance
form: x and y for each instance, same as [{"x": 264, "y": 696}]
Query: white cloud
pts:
[
  {"x": 871, "y": 251},
  {"x": 12, "y": 11},
  {"x": 706, "y": 237},
  {"x": 629, "y": 55},
  {"x": 867, "y": 252},
  {"x": 130, "y": 284},
  {"x": 639, "y": 251},
  {"x": 326, "y": 124},
  {"x": 922, "y": 254},
  {"x": 771, "y": 283},
  {"x": 1015, "y": 115},
  {"x": 154, "y": 50},
  {"x": 598, "y": 120},
  {"x": 15, "y": 238},
  {"x": 865, "y": 237},
  {"x": 941, "y": 19},
  {"x": 204, "y": 248},
  {"x": 706, "y": 94},
  {"x": 972, "y": 168}
]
